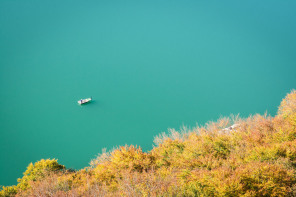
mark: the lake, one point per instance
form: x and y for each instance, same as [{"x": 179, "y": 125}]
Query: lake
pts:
[{"x": 148, "y": 65}]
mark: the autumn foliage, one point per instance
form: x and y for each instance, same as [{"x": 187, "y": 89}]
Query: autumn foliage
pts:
[{"x": 255, "y": 156}]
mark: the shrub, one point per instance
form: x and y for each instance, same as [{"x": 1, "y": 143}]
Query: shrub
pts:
[
  {"x": 8, "y": 191},
  {"x": 38, "y": 171},
  {"x": 256, "y": 157}
]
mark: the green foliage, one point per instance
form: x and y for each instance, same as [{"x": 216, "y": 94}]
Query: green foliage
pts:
[
  {"x": 256, "y": 157},
  {"x": 253, "y": 179},
  {"x": 8, "y": 191},
  {"x": 168, "y": 153},
  {"x": 264, "y": 179},
  {"x": 38, "y": 171}
]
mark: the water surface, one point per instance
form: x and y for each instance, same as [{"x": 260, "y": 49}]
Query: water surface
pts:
[{"x": 149, "y": 65}]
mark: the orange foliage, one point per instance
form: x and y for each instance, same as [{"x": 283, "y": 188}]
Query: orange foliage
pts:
[{"x": 253, "y": 157}]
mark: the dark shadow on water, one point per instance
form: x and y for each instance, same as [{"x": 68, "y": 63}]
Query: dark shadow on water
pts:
[{"x": 93, "y": 102}]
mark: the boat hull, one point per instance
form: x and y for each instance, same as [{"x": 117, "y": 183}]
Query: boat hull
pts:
[{"x": 84, "y": 101}]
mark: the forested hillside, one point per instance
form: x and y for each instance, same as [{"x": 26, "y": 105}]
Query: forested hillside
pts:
[{"x": 255, "y": 156}]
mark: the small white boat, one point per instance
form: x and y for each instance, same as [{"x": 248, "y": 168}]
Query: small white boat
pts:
[{"x": 83, "y": 101}]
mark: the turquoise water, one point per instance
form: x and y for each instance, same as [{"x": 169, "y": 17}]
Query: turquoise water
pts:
[{"x": 149, "y": 66}]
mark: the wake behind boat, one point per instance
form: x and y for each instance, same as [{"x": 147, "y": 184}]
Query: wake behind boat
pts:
[{"x": 83, "y": 101}]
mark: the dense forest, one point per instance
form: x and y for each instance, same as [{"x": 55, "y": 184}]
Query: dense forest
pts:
[{"x": 255, "y": 156}]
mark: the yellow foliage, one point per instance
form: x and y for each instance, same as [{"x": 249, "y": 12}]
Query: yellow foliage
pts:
[
  {"x": 257, "y": 179},
  {"x": 8, "y": 191},
  {"x": 168, "y": 153},
  {"x": 231, "y": 157},
  {"x": 132, "y": 158},
  {"x": 38, "y": 171},
  {"x": 288, "y": 105}
]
